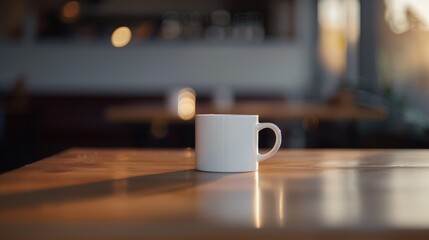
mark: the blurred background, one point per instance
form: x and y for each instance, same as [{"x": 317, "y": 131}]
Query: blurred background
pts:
[{"x": 133, "y": 73}]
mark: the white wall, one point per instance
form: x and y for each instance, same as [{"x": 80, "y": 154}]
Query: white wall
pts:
[{"x": 100, "y": 68}]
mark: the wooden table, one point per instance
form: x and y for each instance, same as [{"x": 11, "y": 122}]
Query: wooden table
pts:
[{"x": 157, "y": 194}]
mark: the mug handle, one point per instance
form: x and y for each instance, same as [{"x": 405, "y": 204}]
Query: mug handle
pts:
[{"x": 277, "y": 144}]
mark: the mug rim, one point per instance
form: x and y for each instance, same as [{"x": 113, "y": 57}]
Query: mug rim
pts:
[{"x": 225, "y": 115}]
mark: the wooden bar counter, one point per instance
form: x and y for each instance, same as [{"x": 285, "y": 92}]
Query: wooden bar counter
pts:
[
  {"x": 157, "y": 194},
  {"x": 268, "y": 110}
]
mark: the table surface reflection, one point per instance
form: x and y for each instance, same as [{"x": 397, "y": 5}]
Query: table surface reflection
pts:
[{"x": 138, "y": 194}]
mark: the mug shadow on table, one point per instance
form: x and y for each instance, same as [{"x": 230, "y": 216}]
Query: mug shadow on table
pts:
[{"x": 142, "y": 185}]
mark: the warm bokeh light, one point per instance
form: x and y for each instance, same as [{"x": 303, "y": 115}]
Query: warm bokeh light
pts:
[
  {"x": 340, "y": 15},
  {"x": 398, "y": 14},
  {"x": 71, "y": 10},
  {"x": 257, "y": 203},
  {"x": 352, "y": 21},
  {"x": 339, "y": 22},
  {"x": 332, "y": 44},
  {"x": 121, "y": 37},
  {"x": 186, "y": 103},
  {"x": 281, "y": 202},
  {"x": 404, "y": 59},
  {"x": 330, "y": 14}
]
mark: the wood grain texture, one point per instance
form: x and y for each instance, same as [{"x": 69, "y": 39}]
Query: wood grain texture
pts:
[
  {"x": 157, "y": 194},
  {"x": 274, "y": 110}
]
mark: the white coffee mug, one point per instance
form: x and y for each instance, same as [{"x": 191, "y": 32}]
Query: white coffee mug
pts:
[{"x": 229, "y": 143}]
